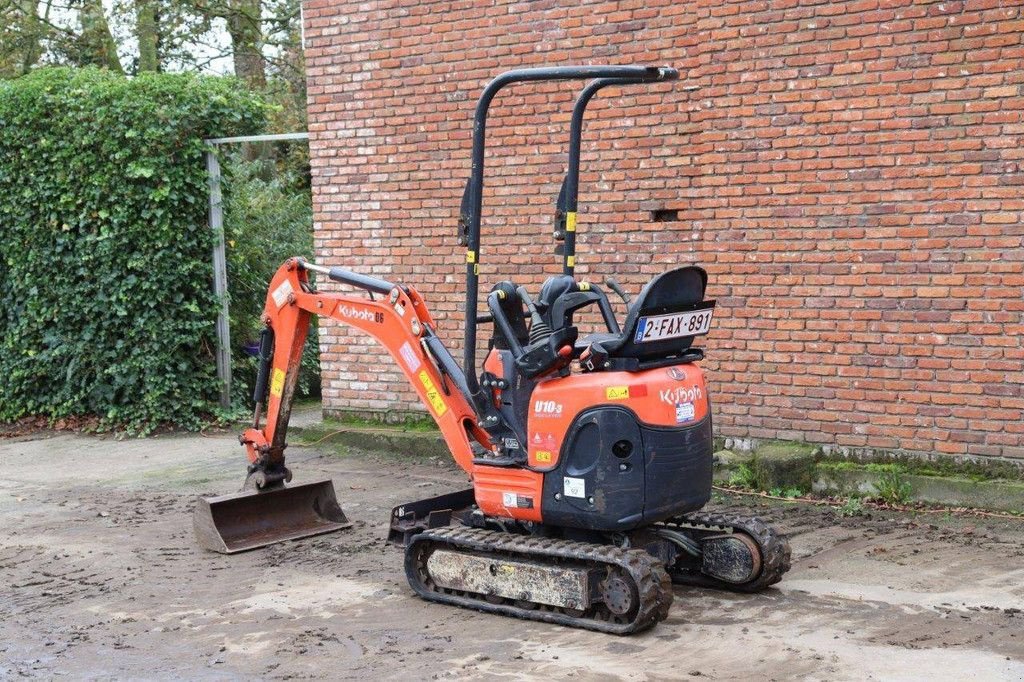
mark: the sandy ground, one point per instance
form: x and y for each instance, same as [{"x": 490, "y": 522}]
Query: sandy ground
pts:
[{"x": 100, "y": 578}]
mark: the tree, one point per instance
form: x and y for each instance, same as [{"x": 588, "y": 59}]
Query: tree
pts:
[
  {"x": 259, "y": 40},
  {"x": 147, "y": 31},
  {"x": 96, "y": 40},
  {"x": 245, "y": 26},
  {"x": 23, "y": 29}
]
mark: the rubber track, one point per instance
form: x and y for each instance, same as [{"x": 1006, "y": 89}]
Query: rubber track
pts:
[
  {"x": 653, "y": 582},
  {"x": 775, "y": 552}
]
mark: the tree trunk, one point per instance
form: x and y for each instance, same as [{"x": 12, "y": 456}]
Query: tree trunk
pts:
[
  {"x": 97, "y": 38},
  {"x": 148, "y": 33},
  {"x": 247, "y": 42},
  {"x": 32, "y": 49}
]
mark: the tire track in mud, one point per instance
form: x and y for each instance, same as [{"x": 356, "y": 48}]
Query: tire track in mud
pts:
[
  {"x": 37, "y": 578},
  {"x": 147, "y": 602}
]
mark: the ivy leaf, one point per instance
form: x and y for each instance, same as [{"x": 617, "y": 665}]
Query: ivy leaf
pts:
[
  {"x": 136, "y": 170},
  {"x": 76, "y": 217}
]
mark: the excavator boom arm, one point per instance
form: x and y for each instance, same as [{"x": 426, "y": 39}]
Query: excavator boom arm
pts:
[{"x": 398, "y": 320}]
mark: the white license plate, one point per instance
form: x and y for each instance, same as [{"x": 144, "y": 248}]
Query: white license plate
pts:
[{"x": 673, "y": 326}]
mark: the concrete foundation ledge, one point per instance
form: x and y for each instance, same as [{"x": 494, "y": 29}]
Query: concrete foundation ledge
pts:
[
  {"x": 408, "y": 441},
  {"x": 949, "y": 491},
  {"x": 795, "y": 468},
  {"x": 773, "y": 466}
]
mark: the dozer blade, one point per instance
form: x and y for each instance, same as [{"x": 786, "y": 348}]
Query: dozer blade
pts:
[{"x": 248, "y": 519}]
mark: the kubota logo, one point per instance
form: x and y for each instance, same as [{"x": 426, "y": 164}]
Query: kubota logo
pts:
[
  {"x": 361, "y": 314},
  {"x": 683, "y": 394}
]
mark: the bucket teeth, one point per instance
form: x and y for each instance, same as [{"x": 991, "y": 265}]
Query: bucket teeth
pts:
[{"x": 250, "y": 519}]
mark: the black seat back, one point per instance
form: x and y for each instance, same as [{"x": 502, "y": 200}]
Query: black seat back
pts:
[
  {"x": 670, "y": 292},
  {"x": 551, "y": 291},
  {"x": 512, "y": 307}
]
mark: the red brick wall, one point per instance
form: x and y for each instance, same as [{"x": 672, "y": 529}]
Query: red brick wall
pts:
[{"x": 850, "y": 174}]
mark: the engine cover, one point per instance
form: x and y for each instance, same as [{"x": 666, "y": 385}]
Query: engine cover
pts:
[{"x": 620, "y": 450}]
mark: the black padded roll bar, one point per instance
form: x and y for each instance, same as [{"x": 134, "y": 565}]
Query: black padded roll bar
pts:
[{"x": 473, "y": 197}]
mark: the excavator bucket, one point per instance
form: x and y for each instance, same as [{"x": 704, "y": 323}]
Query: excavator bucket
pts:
[{"x": 249, "y": 519}]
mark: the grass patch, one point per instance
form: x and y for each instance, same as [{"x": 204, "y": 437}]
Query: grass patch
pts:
[
  {"x": 853, "y": 506},
  {"x": 944, "y": 468},
  {"x": 788, "y": 493},
  {"x": 893, "y": 489},
  {"x": 743, "y": 477}
]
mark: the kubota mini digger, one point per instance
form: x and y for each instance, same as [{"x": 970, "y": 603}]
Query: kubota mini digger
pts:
[{"x": 589, "y": 456}]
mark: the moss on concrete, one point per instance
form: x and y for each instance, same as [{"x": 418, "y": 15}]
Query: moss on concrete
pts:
[
  {"x": 784, "y": 465},
  {"x": 996, "y": 470},
  {"x": 394, "y": 419},
  {"x": 409, "y": 440},
  {"x": 847, "y": 478}
]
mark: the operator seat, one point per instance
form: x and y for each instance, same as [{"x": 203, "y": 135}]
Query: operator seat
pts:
[
  {"x": 512, "y": 307},
  {"x": 552, "y": 289},
  {"x": 674, "y": 291}
]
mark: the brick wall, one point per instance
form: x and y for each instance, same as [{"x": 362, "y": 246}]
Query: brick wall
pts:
[{"x": 851, "y": 174}]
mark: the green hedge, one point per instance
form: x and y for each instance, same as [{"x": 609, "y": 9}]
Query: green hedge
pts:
[
  {"x": 268, "y": 217},
  {"x": 105, "y": 278}
]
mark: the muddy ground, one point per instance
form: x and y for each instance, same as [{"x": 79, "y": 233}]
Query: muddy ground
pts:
[{"x": 100, "y": 578}]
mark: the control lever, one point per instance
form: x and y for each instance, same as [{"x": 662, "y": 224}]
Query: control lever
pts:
[
  {"x": 614, "y": 285},
  {"x": 539, "y": 329}
]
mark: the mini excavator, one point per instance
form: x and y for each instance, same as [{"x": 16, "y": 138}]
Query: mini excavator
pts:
[{"x": 590, "y": 456}]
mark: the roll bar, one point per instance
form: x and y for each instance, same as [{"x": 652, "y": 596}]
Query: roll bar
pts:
[
  {"x": 568, "y": 197},
  {"x": 472, "y": 202}
]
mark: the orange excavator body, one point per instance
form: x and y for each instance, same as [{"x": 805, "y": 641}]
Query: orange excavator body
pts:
[{"x": 588, "y": 456}]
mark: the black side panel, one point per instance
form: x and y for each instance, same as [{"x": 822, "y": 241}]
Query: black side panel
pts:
[
  {"x": 678, "y": 472},
  {"x": 589, "y": 469},
  {"x": 616, "y": 473}
]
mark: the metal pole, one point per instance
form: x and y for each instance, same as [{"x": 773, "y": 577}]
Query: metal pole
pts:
[
  {"x": 282, "y": 137},
  {"x": 571, "y": 186},
  {"x": 220, "y": 279}
]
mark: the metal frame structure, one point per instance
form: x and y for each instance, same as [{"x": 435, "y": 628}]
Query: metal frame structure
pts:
[
  {"x": 215, "y": 219},
  {"x": 473, "y": 197}
]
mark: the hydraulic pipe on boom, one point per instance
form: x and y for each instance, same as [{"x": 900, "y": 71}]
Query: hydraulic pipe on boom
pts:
[{"x": 399, "y": 321}]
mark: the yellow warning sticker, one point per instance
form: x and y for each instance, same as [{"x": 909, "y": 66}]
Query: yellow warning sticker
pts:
[
  {"x": 277, "y": 383},
  {"x": 543, "y": 456},
  {"x": 570, "y": 221},
  {"x": 570, "y": 261},
  {"x": 433, "y": 395},
  {"x": 616, "y": 392},
  {"x": 471, "y": 256}
]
